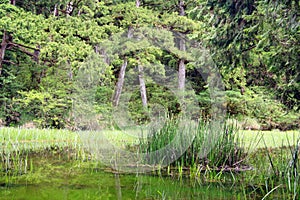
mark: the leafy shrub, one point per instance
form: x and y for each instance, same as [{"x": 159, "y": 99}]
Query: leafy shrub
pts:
[
  {"x": 46, "y": 109},
  {"x": 259, "y": 106}
]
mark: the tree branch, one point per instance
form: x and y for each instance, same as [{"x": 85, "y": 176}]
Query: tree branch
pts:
[
  {"x": 24, "y": 50},
  {"x": 22, "y": 45},
  {"x": 10, "y": 62}
]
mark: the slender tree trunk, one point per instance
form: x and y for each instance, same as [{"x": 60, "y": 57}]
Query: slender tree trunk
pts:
[
  {"x": 104, "y": 54},
  {"x": 13, "y": 2},
  {"x": 141, "y": 76},
  {"x": 4, "y": 43},
  {"x": 69, "y": 8},
  {"x": 181, "y": 67},
  {"x": 120, "y": 83},
  {"x": 121, "y": 77},
  {"x": 119, "y": 86},
  {"x": 55, "y": 12},
  {"x": 181, "y": 8},
  {"x": 96, "y": 49},
  {"x": 181, "y": 64},
  {"x": 137, "y": 3},
  {"x": 36, "y": 53},
  {"x": 142, "y": 86}
]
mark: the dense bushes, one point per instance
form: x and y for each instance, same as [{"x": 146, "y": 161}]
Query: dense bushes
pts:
[{"x": 260, "y": 104}]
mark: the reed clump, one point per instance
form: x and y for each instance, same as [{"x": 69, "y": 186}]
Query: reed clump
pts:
[{"x": 194, "y": 145}]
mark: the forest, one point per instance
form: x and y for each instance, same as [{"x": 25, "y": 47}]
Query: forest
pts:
[{"x": 54, "y": 52}]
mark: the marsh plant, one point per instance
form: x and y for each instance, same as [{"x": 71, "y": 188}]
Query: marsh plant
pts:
[
  {"x": 210, "y": 146},
  {"x": 275, "y": 172},
  {"x": 283, "y": 171},
  {"x": 20, "y": 148}
]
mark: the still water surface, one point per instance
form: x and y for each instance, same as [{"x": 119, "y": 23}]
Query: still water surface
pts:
[{"x": 52, "y": 178}]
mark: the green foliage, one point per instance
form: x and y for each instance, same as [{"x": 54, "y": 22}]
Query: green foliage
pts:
[
  {"x": 161, "y": 103},
  {"x": 253, "y": 43},
  {"x": 91, "y": 94},
  {"x": 260, "y": 104},
  {"x": 45, "y": 108}
]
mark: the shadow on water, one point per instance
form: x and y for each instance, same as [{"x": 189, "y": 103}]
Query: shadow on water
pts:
[{"x": 52, "y": 176}]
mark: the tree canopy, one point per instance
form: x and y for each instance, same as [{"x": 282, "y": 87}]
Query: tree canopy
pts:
[{"x": 45, "y": 45}]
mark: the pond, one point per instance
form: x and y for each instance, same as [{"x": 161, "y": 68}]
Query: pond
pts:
[
  {"x": 48, "y": 164},
  {"x": 54, "y": 177}
]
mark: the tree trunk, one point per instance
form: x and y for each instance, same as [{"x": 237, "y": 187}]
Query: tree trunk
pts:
[
  {"x": 142, "y": 86},
  {"x": 4, "y": 43},
  {"x": 69, "y": 8},
  {"x": 141, "y": 76},
  {"x": 55, "y": 11},
  {"x": 120, "y": 83},
  {"x": 181, "y": 64},
  {"x": 13, "y": 2},
  {"x": 119, "y": 86},
  {"x": 36, "y": 53},
  {"x": 181, "y": 8},
  {"x": 181, "y": 75},
  {"x": 137, "y": 3},
  {"x": 104, "y": 54}
]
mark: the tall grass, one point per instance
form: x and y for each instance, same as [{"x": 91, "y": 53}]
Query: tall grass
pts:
[
  {"x": 198, "y": 146},
  {"x": 18, "y": 145},
  {"x": 276, "y": 173},
  {"x": 285, "y": 170}
]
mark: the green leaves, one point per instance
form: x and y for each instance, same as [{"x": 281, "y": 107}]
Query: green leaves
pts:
[
  {"x": 46, "y": 108},
  {"x": 253, "y": 43}
]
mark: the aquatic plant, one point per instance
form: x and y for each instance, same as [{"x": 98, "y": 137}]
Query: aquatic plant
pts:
[
  {"x": 211, "y": 146},
  {"x": 18, "y": 146}
]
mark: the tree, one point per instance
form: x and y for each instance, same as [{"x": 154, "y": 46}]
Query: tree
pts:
[
  {"x": 181, "y": 64},
  {"x": 134, "y": 19},
  {"x": 141, "y": 76}
]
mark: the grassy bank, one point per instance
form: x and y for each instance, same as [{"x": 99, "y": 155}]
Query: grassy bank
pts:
[
  {"x": 12, "y": 139},
  {"x": 36, "y": 138},
  {"x": 269, "y": 139}
]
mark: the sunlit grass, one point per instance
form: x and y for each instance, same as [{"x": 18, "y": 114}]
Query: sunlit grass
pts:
[
  {"x": 270, "y": 139},
  {"x": 35, "y": 139},
  {"x": 250, "y": 139},
  {"x": 123, "y": 138}
]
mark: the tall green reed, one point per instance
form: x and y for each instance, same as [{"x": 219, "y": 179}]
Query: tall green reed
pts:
[
  {"x": 18, "y": 148},
  {"x": 210, "y": 145},
  {"x": 276, "y": 173}
]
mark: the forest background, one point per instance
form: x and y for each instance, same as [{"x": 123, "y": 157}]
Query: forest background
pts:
[{"x": 45, "y": 44}]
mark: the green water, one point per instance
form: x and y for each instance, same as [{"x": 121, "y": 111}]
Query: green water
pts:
[{"x": 54, "y": 178}]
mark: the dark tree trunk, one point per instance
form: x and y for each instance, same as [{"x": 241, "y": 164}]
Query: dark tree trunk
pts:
[
  {"x": 36, "y": 53},
  {"x": 13, "y": 2},
  {"x": 181, "y": 8},
  {"x": 4, "y": 43}
]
